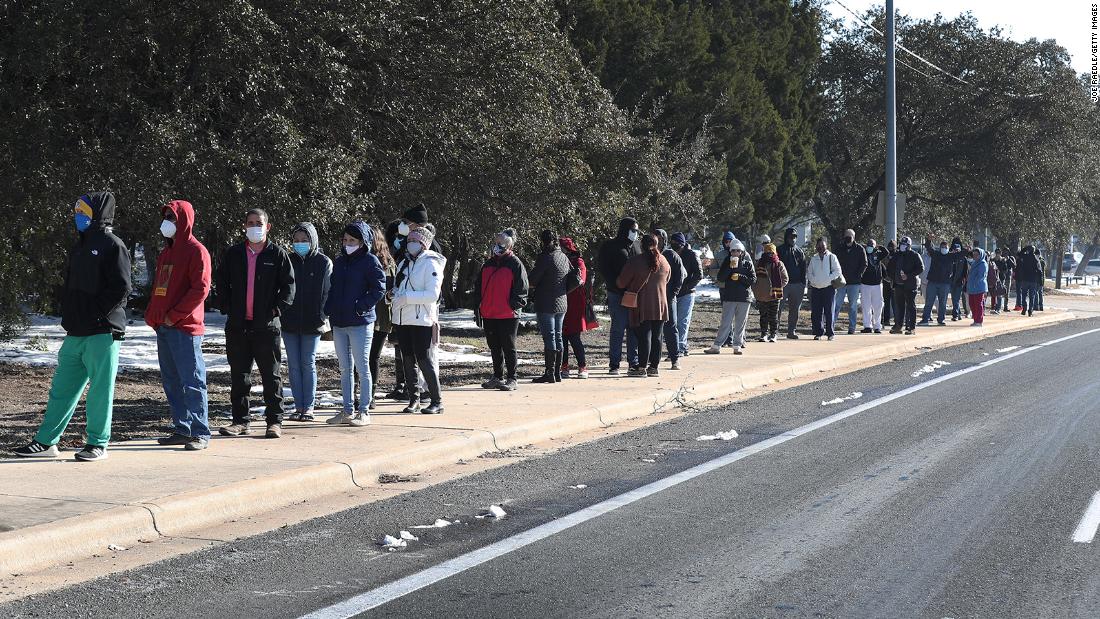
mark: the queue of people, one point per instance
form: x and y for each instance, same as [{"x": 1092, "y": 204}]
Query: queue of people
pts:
[{"x": 386, "y": 284}]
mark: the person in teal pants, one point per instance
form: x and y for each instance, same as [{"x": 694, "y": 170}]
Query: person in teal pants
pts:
[{"x": 93, "y": 314}]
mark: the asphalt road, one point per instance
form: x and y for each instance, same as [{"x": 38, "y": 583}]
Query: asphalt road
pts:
[{"x": 959, "y": 500}]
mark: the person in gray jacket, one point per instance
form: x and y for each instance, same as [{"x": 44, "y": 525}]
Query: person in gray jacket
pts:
[
  {"x": 675, "y": 281},
  {"x": 548, "y": 289}
]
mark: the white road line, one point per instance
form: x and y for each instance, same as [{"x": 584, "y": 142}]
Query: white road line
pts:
[
  {"x": 413, "y": 582},
  {"x": 1086, "y": 529}
]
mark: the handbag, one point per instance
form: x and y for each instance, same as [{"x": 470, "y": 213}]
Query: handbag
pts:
[
  {"x": 630, "y": 297},
  {"x": 839, "y": 282}
]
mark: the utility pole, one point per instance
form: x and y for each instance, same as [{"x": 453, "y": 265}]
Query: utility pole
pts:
[{"x": 891, "y": 131}]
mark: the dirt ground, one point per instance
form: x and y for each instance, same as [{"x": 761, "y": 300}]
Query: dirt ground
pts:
[{"x": 141, "y": 411}]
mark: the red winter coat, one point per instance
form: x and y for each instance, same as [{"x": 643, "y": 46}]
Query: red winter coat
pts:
[
  {"x": 575, "y": 321},
  {"x": 182, "y": 279}
]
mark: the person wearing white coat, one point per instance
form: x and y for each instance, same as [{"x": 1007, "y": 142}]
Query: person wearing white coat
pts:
[
  {"x": 415, "y": 307},
  {"x": 821, "y": 270}
]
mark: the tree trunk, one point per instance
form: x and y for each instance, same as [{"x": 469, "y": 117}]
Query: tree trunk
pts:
[{"x": 1058, "y": 267}]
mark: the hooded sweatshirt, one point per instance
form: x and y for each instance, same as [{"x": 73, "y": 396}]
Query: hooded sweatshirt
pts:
[
  {"x": 357, "y": 284},
  {"x": 97, "y": 278},
  {"x": 1028, "y": 268},
  {"x": 312, "y": 281},
  {"x": 182, "y": 277},
  {"x": 614, "y": 254},
  {"x": 976, "y": 282}
]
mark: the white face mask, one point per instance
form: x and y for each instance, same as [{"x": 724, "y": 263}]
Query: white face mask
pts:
[
  {"x": 903, "y": 247},
  {"x": 256, "y": 234},
  {"x": 498, "y": 250},
  {"x": 403, "y": 229},
  {"x": 351, "y": 249},
  {"x": 168, "y": 228},
  {"x": 632, "y": 236},
  {"x": 414, "y": 248},
  {"x": 943, "y": 250}
]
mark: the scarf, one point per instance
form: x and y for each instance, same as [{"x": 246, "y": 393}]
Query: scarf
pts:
[{"x": 773, "y": 274}]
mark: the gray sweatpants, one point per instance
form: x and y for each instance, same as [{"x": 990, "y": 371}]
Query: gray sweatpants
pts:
[
  {"x": 735, "y": 318},
  {"x": 793, "y": 293}
]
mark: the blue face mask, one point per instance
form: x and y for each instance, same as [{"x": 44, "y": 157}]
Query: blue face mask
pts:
[
  {"x": 301, "y": 249},
  {"x": 398, "y": 242},
  {"x": 83, "y": 222}
]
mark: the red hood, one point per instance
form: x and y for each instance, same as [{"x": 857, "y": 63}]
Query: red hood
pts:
[{"x": 185, "y": 218}]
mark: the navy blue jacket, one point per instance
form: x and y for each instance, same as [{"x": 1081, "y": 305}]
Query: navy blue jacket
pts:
[
  {"x": 358, "y": 283},
  {"x": 312, "y": 278}
]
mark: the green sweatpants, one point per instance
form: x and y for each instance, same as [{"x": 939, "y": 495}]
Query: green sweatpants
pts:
[{"x": 82, "y": 360}]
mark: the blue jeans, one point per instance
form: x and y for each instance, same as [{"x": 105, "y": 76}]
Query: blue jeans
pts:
[
  {"x": 957, "y": 306},
  {"x": 353, "y": 352},
  {"x": 1029, "y": 295},
  {"x": 672, "y": 333},
  {"x": 183, "y": 371},
  {"x": 684, "y": 306},
  {"x": 852, "y": 292},
  {"x": 620, "y": 324},
  {"x": 301, "y": 364},
  {"x": 937, "y": 294},
  {"x": 550, "y": 326}
]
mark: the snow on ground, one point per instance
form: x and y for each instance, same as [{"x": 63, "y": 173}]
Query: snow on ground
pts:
[
  {"x": 1009, "y": 349},
  {"x": 707, "y": 292},
  {"x": 855, "y": 395},
  {"x": 1080, "y": 291},
  {"x": 932, "y": 367},
  {"x": 38, "y": 346},
  {"x": 721, "y": 436}
]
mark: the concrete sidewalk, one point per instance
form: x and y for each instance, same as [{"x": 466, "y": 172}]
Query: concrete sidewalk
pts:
[{"x": 60, "y": 510}]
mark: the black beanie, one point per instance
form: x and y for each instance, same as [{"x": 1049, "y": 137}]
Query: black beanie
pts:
[{"x": 417, "y": 214}]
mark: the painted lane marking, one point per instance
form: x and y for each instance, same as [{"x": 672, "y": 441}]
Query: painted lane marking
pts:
[
  {"x": 1090, "y": 521},
  {"x": 399, "y": 588}
]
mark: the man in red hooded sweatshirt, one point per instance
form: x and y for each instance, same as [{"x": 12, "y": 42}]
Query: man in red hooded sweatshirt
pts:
[{"x": 177, "y": 314}]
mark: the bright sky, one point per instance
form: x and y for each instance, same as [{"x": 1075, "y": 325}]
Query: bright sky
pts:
[{"x": 1067, "y": 21}]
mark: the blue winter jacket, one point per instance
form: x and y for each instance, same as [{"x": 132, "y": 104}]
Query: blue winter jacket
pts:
[
  {"x": 358, "y": 283},
  {"x": 976, "y": 276}
]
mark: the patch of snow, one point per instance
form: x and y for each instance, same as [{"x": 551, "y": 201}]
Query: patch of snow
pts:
[
  {"x": 721, "y": 436},
  {"x": 579, "y": 486},
  {"x": 438, "y": 524},
  {"x": 495, "y": 512},
  {"x": 1009, "y": 349},
  {"x": 855, "y": 395},
  {"x": 1084, "y": 292},
  {"x": 932, "y": 367},
  {"x": 651, "y": 461},
  {"x": 115, "y": 547},
  {"x": 391, "y": 543},
  {"x": 409, "y": 537},
  {"x": 707, "y": 292}
]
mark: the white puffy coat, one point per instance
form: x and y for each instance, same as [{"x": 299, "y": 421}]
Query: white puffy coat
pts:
[
  {"x": 822, "y": 270},
  {"x": 416, "y": 297}
]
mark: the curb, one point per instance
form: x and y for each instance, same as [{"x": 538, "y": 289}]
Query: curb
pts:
[{"x": 49, "y": 544}]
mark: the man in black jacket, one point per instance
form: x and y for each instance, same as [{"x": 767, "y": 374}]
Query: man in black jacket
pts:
[
  {"x": 93, "y": 314},
  {"x": 904, "y": 269},
  {"x": 794, "y": 259},
  {"x": 613, "y": 256},
  {"x": 254, "y": 284},
  {"x": 685, "y": 299},
  {"x": 675, "y": 281},
  {"x": 959, "y": 306},
  {"x": 853, "y": 262},
  {"x": 1029, "y": 276},
  {"x": 939, "y": 281}
]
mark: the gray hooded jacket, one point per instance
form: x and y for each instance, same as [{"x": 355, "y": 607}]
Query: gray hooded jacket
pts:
[{"x": 311, "y": 277}]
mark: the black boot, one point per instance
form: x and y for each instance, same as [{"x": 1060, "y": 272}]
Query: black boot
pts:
[
  {"x": 548, "y": 359},
  {"x": 557, "y": 366}
]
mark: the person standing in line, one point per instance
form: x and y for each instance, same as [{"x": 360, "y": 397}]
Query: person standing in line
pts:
[
  {"x": 93, "y": 315},
  {"x": 416, "y": 218},
  {"x": 993, "y": 282},
  {"x": 734, "y": 277},
  {"x": 414, "y": 302},
  {"x": 395, "y": 241},
  {"x": 383, "y": 322},
  {"x": 888, "y": 286},
  {"x": 794, "y": 261},
  {"x": 999, "y": 290},
  {"x": 647, "y": 275},
  {"x": 548, "y": 287},
  {"x": 500, "y": 294},
  {"x": 685, "y": 299},
  {"x": 939, "y": 282},
  {"x": 614, "y": 254},
  {"x": 577, "y": 319},
  {"x": 977, "y": 284},
  {"x": 905, "y": 269},
  {"x": 959, "y": 306},
  {"x": 675, "y": 282},
  {"x": 853, "y": 262},
  {"x": 304, "y": 323},
  {"x": 1042, "y": 284},
  {"x": 821, "y": 271},
  {"x": 176, "y": 313},
  {"x": 358, "y": 284},
  {"x": 871, "y": 288},
  {"x": 1028, "y": 277},
  {"x": 254, "y": 286},
  {"x": 771, "y": 279}
]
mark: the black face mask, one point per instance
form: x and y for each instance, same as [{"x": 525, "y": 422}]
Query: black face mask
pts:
[{"x": 677, "y": 247}]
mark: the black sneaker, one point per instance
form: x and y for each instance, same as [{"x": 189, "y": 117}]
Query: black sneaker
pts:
[
  {"x": 508, "y": 385},
  {"x": 413, "y": 407},
  {"x": 397, "y": 394},
  {"x": 198, "y": 443},
  {"x": 433, "y": 409},
  {"x": 37, "y": 450},
  {"x": 91, "y": 453},
  {"x": 492, "y": 383},
  {"x": 792, "y": 336},
  {"x": 174, "y": 440},
  {"x": 867, "y": 330}
]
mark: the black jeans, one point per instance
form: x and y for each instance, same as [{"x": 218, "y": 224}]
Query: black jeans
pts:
[
  {"x": 376, "y": 346},
  {"x": 821, "y": 310},
  {"x": 649, "y": 334},
  {"x": 500, "y": 334},
  {"x": 905, "y": 304},
  {"x": 259, "y": 346},
  {"x": 888, "y": 312},
  {"x": 573, "y": 341},
  {"x": 419, "y": 352}
]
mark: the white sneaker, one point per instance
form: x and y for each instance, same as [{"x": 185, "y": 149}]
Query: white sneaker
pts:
[
  {"x": 582, "y": 373},
  {"x": 339, "y": 419},
  {"x": 737, "y": 350},
  {"x": 713, "y": 350},
  {"x": 360, "y": 419}
]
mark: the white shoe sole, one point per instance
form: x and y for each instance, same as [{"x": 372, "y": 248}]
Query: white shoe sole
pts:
[
  {"x": 359, "y": 422},
  {"x": 49, "y": 453},
  {"x": 78, "y": 458}
]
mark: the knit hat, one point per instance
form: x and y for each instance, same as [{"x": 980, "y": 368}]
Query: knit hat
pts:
[
  {"x": 506, "y": 238},
  {"x": 567, "y": 245},
  {"x": 417, "y": 214},
  {"x": 736, "y": 244},
  {"x": 763, "y": 238},
  {"x": 423, "y": 236},
  {"x": 679, "y": 239},
  {"x": 908, "y": 241},
  {"x": 728, "y": 236},
  {"x": 769, "y": 247}
]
